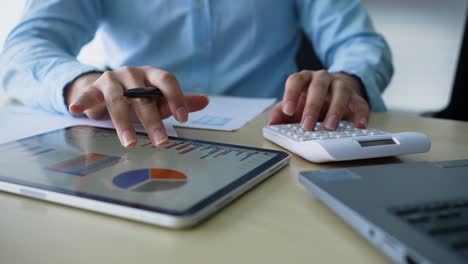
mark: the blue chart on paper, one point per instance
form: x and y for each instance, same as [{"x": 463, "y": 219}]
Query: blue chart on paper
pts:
[{"x": 210, "y": 120}]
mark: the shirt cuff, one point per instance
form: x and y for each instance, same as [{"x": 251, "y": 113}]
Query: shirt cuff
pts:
[
  {"x": 61, "y": 77},
  {"x": 368, "y": 79}
]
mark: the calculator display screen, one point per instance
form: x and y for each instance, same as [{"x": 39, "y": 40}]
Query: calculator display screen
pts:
[{"x": 379, "y": 142}]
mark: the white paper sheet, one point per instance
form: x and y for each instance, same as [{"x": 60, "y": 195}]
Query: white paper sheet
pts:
[
  {"x": 19, "y": 122},
  {"x": 226, "y": 113}
]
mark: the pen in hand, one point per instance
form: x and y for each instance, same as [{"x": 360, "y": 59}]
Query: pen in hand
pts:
[{"x": 148, "y": 92}]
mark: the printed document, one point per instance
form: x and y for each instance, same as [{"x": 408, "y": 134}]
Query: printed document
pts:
[{"x": 226, "y": 113}]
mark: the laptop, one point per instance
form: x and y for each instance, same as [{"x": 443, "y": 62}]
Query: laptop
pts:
[{"x": 412, "y": 212}]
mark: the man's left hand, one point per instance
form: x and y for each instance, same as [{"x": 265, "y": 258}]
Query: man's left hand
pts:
[{"x": 311, "y": 96}]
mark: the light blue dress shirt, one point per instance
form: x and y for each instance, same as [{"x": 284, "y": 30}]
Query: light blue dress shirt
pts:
[{"x": 231, "y": 47}]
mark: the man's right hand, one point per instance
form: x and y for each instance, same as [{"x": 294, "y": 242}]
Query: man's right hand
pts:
[{"x": 100, "y": 96}]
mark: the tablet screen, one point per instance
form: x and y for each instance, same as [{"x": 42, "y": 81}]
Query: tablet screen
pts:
[{"x": 90, "y": 162}]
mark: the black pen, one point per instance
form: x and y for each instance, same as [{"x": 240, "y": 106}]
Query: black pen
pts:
[{"x": 147, "y": 92}]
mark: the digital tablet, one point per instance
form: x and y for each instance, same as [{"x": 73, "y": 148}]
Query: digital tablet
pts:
[{"x": 173, "y": 185}]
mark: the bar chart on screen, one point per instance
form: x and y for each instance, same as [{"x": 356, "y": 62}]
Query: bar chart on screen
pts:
[{"x": 205, "y": 151}]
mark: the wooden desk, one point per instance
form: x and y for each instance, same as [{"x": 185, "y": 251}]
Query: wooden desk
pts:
[{"x": 276, "y": 222}]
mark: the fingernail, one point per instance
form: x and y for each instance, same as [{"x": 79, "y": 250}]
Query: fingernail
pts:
[
  {"x": 332, "y": 122},
  {"x": 308, "y": 123},
  {"x": 363, "y": 122},
  {"x": 75, "y": 109},
  {"x": 181, "y": 114},
  {"x": 159, "y": 136},
  {"x": 128, "y": 139},
  {"x": 289, "y": 108}
]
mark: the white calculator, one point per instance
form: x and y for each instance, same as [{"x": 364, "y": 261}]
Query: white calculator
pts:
[{"x": 345, "y": 143}]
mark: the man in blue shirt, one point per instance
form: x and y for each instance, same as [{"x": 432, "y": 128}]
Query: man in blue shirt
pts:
[{"x": 243, "y": 48}]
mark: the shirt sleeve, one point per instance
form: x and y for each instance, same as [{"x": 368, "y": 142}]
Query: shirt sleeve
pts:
[
  {"x": 39, "y": 56},
  {"x": 345, "y": 41}
]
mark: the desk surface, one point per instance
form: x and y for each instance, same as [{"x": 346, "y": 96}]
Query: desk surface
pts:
[{"x": 276, "y": 222}]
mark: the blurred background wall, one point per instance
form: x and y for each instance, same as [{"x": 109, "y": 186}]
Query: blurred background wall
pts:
[{"x": 424, "y": 36}]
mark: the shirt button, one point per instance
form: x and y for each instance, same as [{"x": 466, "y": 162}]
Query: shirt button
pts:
[{"x": 201, "y": 51}]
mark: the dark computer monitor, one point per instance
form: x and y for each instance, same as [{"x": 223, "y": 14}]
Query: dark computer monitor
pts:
[{"x": 458, "y": 105}]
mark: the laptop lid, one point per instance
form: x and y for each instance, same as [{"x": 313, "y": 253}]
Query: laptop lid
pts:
[{"x": 381, "y": 203}]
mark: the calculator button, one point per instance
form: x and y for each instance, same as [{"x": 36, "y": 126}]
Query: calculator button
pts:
[{"x": 344, "y": 130}]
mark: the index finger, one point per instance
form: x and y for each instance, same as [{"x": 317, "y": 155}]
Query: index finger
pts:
[
  {"x": 118, "y": 108},
  {"x": 295, "y": 84}
]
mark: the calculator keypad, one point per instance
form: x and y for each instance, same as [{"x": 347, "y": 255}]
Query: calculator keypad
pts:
[{"x": 344, "y": 130}]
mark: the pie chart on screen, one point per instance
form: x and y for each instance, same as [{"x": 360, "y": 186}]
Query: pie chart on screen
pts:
[{"x": 150, "y": 180}]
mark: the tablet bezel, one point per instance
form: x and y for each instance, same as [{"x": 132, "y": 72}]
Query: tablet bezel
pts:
[{"x": 281, "y": 157}]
